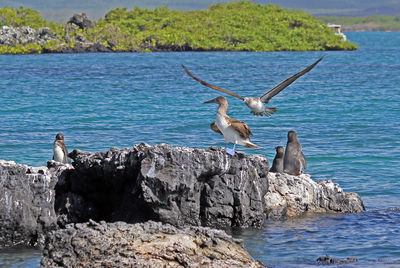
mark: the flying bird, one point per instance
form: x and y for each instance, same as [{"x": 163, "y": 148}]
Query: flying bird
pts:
[
  {"x": 234, "y": 131},
  {"x": 256, "y": 104}
]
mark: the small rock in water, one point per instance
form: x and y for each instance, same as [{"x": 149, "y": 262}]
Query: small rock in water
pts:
[{"x": 329, "y": 260}]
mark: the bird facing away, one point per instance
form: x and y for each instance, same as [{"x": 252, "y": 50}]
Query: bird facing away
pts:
[
  {"x": 60, "y": 152},
  {"x": 294, "y": 159},
  {"x": 256, "y": 104},
  {"x": 277, "y": 165},
  {"x": 234, "y": 131}
]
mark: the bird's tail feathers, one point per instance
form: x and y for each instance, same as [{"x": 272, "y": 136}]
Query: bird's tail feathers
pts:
[
  {"x": 269, "y": 111},
  {"x": 249, "y": 144}
]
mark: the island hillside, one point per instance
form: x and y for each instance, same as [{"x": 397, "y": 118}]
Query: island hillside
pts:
[{"x": 236, "y": 26}]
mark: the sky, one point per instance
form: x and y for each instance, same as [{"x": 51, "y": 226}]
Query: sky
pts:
[{"x": 62, "y": 10}]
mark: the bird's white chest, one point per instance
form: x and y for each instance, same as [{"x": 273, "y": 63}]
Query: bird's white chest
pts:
[
  {"x": 222, "y": 123},
  {"x": 256, "y": 106},
  {"x": 58, "y": 154},
  {"x": 227, "y": 130}
]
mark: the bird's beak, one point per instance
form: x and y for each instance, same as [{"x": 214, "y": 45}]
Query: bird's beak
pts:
[{"x": 211, "y": 101}]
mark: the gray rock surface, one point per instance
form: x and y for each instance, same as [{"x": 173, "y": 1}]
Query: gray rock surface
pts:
[
  {"x": 176, "y": 185},
  {"x": 26, "y": 204},
  {"x": 149, "y": 244},
  {"x": 81, "y": 20},
  {"x": 11, "y": 36},
  {"x": 81, "y": 47},
  {"x": 291, "y": 196}
]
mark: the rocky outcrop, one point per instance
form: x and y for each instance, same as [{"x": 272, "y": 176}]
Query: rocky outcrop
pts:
[
  {"x": 81, "y": 21},
  {"x": 150, "y": 244},
  {"x": 26, "y": 204},
  {"x": 176, "y": 185},
  {"x": 80, "y": 47},
  {"x": 10, "y": 36},
  {"x": 291, "y": 196}
]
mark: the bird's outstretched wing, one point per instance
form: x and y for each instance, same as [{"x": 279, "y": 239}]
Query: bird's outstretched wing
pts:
[
  {"x": 211, "y": 86},
  {"x": 278, "y": 88}
]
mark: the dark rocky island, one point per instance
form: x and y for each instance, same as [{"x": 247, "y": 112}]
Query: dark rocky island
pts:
[{"x": 174, "y": 185}]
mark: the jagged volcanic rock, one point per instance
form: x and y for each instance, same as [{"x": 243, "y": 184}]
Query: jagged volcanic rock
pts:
[
  {"x": 291, "y": 196},
  {"x": 26, "y": 204},
  {"x": 81, "y": 20},
  {"x": 177, "y": 185},
  {"x": 10, "y": 36},
  {"x": 149, "y": 244}
]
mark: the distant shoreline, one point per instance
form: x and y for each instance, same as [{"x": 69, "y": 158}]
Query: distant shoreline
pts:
[
  {"x": 369, "y": 23},
  {"x": 368, "y": 27}
]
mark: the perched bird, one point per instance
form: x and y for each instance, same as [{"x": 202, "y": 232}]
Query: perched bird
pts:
[
  {"x": 234, "y": 131},
  {"x": 277, "y": 165},
  {"x": 256, "y": 104},
  {"x": 294, "y": 159},
  {"x": 60, "y": 152}
]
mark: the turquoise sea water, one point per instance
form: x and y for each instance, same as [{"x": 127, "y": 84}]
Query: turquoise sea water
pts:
[{"x": 346, "y": 112}]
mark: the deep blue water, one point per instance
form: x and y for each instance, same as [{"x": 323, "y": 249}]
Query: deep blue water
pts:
[{"x": 346, "y": 112}]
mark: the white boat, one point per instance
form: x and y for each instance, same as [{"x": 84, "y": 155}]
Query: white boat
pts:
[{"x": 338, "y": 30}]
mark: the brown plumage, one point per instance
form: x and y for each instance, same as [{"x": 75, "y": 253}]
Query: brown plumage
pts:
[
  {"x": 233, "y": 130},
  {"x": 215, "y": 128}
]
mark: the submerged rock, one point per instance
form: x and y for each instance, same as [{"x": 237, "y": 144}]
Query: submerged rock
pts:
[
  {"x": 291, "y": 196},
  {"x": 26, "y": 204},
  {"x": 150, "y": 244},
  {"x": 329, "y": 260},
  {"x": 176, "y": 185}
]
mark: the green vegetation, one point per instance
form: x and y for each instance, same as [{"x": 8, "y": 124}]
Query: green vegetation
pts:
[
  {"x": 376, "y": 22},
  {"x": 25, "y": 17},
  {"x": 236, "y": 26},
  {"x": 61, "y": 10},
  {"x": 20, "y": 49}
]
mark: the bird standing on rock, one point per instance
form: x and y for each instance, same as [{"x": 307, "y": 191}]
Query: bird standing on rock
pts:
[
  {"x": 294, "y": 159},
  {"x": 277, "y": 164},
  {"x": 256, "y": 104},
  {"x": 234, "y": 131},
  {"x": 60, "y": 152}
]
